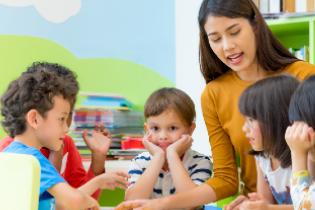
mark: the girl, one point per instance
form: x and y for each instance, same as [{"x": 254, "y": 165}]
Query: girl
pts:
[
  {"x": 265, "y": 107},
  {"x": 301, "y": 140}
]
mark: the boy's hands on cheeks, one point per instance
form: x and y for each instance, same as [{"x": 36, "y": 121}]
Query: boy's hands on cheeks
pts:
[
  {"x": 151, "y": 147},
  {"x": 300, "y": 138},
  {"x": 180, "y": 146}
]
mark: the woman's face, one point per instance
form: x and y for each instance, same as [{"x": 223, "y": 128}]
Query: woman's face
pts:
[{"x": 233, "y": 41}]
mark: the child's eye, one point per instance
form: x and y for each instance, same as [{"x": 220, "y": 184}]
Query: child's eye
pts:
[
  {"x": 250, "y": 119},
  {"x": 62, "y": 119},
  {"x": 154, "y": 128},
  {"x": 173, "y": 128}
]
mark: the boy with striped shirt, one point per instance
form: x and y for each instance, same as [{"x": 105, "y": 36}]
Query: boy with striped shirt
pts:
[{"x": 169, "y": 166}]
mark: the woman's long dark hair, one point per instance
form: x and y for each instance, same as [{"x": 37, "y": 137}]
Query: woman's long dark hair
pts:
[
  {"x": 267, "y": 101},
  {"x": 271, "y": 56}
]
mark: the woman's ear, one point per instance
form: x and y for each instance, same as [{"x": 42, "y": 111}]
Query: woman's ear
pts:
[
  {"x": 192, "y": 128},
  {"x": 33, "y": 118}
]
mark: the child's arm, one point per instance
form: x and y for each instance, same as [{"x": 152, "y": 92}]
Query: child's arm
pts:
[
  {"x": 262, "y": 204},
  {"x": 263, "y": 188},
  {"x": 262, "y": 198},
  {"x": 71, "y": 199},
  {"x": 198, "y": 196},
  {"x": 99, "y": 144},
  {"x": 181, "y": 178},
  {"x": 301, "y": 138},
  {"x": 311, "y": 162},
  {"x": 255, "y": 201},
  {"x": 109, "y": 180},
  {"x": 143, "y": 187}
]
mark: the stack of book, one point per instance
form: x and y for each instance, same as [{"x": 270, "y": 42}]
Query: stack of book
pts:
[{"x": 113, "y": 112}]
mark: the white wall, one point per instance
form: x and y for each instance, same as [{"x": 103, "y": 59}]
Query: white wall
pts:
[{"x": 188, "y": 75}]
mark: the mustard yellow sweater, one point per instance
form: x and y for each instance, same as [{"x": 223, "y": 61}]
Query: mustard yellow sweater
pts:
[{"x": 219, "y": 102}]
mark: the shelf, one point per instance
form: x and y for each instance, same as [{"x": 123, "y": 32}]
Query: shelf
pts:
[{"x": 295, "y": 32}]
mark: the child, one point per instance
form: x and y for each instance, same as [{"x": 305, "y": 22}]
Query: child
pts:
[
  {"x": 35, "y": 110},
  {"x": 265, "y": 107},
  {"x": 169, "y": 166},
  {"x": 68, "y": 160},
  {"x": 300, "y": 137}
]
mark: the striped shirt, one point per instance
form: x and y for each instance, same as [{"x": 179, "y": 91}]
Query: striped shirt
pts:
[{"x": 198, "y": 166}]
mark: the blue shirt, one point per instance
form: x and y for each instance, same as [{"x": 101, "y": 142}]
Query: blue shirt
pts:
[{"x": 49, "y": 176}]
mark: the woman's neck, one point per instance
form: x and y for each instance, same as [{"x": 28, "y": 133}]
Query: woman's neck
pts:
[{"x": 252, "y": 74}]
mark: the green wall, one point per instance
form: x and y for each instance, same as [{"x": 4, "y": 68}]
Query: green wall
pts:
[{"x": 109, "y": 75}]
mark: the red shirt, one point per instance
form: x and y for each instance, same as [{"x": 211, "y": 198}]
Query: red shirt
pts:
[{"x": 72, "y": 168}]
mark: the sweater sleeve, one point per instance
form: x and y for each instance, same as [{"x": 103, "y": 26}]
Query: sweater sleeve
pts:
[{"x": 225, "y": 179}]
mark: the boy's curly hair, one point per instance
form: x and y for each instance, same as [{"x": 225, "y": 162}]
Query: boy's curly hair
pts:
[
  {"x": 33, "y": 90},
  {"x": 61, "y": 71}
]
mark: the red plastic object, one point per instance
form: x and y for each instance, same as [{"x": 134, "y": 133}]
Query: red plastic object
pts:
[{"x": 132, "y": 143}]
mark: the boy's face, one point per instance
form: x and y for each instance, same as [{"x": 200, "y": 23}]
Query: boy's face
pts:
[
  {"x": 53, "y": 127},
  {"x": 167, "y": 128}
]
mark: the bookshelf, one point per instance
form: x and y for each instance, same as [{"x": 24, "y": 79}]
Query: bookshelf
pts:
[
  {"x": 295, "y": 32},
  {"x": 285, "y": 6}
]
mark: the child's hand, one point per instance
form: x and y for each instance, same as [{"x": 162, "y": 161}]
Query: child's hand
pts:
[
  {"x": 154, "y": 204},
  {"x": 300, "y": 138},
  {"x": 180, "y": 146},
  {"x": 255, "y": 196},
  {"x": 93, "y": 204},
  {"x": 151, "y": 147},
  {"x": 235, "y": 204},
  {"x": 100, "y": 141},
  {"x": 252, "y": 205},
  {"x": 111, "y": 180},
  {"x": 130, "y": 205}
]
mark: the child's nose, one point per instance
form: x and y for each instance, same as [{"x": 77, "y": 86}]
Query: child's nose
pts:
[{"x": 163, "y": 135}]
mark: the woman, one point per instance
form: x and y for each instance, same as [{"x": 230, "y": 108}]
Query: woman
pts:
[{"x": 236, "y": 49}]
